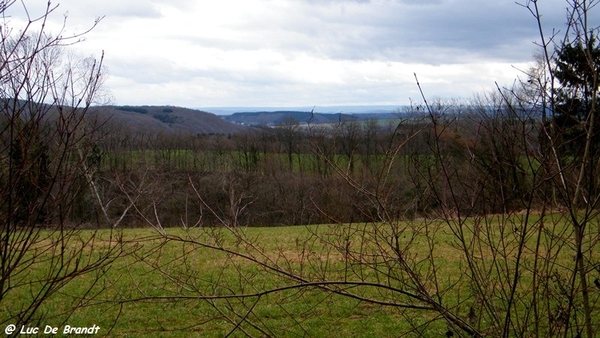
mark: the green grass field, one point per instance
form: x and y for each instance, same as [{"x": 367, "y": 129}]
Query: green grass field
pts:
[
  {"x": 165, "y": 286},
  {"x": 295, "y": 312}
]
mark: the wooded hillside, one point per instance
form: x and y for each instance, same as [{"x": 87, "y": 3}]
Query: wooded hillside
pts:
[{"x": 164, "y": 118}]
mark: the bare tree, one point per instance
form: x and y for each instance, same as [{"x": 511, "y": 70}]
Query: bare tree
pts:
[{"x": 47, "y": 167}]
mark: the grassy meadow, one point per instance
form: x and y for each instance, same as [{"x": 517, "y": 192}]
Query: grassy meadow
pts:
[
  {"x": 166, "y": 285},
  {"x": 294, "y": 312}
]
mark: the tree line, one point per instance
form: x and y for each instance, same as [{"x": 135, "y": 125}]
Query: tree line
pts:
[{"x": 290, "y": 175}]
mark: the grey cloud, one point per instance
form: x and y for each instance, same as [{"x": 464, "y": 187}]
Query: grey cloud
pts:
[
  {"x": 78, "y": 9},
  {"x": 433, "y": 31},
  {"x": 473, "y": 29},
  {"x": 389, "y": 29},
  {"x": 161, "y": 71},
  {"x": 155, "y": 70},
  {"x": 130, "y": 8},
  {"x": 321, "y": 2},
  {"x": 421, "y": 2}
]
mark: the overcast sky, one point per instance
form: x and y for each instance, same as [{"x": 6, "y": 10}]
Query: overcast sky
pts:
[{"x": 222, "y": 53}]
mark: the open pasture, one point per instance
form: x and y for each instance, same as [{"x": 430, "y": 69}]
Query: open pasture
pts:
[{"x": 342, "y": 280}]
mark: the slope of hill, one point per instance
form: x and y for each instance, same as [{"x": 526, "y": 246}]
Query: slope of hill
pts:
[{"x": 166, "y": 119}]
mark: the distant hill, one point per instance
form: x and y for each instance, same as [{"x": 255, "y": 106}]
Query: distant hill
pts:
[
  {"x": 166, "y": 119},
  {"x": 185, "y": 120}
]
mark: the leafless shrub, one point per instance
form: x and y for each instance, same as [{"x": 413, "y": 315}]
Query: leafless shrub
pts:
[{"x": 47, "y": 170}]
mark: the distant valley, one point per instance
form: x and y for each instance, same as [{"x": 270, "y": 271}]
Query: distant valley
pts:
[{"x": 170, "y": 119}]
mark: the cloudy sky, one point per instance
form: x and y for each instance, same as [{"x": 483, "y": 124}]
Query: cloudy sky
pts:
[{"x": 218, "y": 53}]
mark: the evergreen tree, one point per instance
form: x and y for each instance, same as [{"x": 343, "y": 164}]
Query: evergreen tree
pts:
[{"x": 577, "y": 69}]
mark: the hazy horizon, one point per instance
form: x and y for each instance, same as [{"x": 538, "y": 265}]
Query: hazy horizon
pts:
[{"x": 346, "y": 109}]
